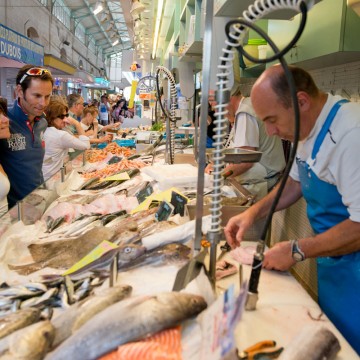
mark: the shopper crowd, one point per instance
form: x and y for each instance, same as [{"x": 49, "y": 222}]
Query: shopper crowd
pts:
[{"x": 39, "y": 131}]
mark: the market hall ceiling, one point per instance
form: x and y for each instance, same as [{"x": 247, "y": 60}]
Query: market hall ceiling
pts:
[{"x": 111, "y": 23}]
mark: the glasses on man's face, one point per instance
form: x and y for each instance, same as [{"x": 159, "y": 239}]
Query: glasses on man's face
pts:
[
  {"x": 63, "y": 116},
  {"x": 34, "y": 72}
]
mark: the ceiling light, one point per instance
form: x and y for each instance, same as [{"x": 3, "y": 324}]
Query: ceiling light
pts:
[
  {"x": 157, "y": 27},
  {"x": 115, "y": 42},
  {"x": 98, "y": 8},
  {"x": 137, "y": 8}
]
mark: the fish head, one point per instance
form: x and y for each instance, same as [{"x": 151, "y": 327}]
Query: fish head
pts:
[
  {"x": 130, "y": 252},
  {"x": 182, "y": 305}
]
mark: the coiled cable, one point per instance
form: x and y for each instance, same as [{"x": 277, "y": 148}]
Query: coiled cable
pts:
[{"x": 173, "y": 103}]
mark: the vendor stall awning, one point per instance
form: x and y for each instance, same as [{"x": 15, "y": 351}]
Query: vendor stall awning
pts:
[{"x": 57, "y": 66}]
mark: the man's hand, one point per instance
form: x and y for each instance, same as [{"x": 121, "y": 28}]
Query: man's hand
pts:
[
  {"x": 279, "y": 257},
  {"x": 236, "y": 228},
  {"x": 209, "y": 168}
]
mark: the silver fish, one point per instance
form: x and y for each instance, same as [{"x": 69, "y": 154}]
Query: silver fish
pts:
[
  {"x": 166, "y": 254},
  {"x": 17, "y": 320},
  {"x": 30, "y": 343},
  {"x": 128, "y": 320},
  {"x": 125, "y": 253},
  {"x": 78, "y": 314}
]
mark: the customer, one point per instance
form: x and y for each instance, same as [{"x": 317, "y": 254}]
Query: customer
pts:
[
  {"x": 327, "y": 174},
  {"x": 92, "y": 128},
  {"x": 4, "y": 134},
  {"x": 22, "y": 154},
  {"x": 249, "y": 133},
  {"x": 104, "y": 110},
  {"x": 57, "y": 141},
  {"x": 75, "y": 102}
]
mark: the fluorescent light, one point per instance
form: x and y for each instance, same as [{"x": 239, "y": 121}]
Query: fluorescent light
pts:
[
  {"x": 157, "y": 27},
  {"x": 115, "y": 42},
  {"x": 98, "y": 8}
]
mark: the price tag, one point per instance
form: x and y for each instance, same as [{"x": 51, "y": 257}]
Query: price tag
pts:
[
  {"x": 178, "y": 201},
  {"x": 144, "y": 193},
  {"x": 164, "y": 212}
]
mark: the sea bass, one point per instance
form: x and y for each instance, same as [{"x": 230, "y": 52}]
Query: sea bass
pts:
[
  {"x": 129, "y": 320},
  {"x": 17, "y": 320},
  {"x": 78, "y": 314},
  {"x": 30, "y": 343}
]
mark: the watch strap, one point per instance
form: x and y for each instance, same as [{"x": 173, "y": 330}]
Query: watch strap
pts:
[{"x": 296, "y": 252}]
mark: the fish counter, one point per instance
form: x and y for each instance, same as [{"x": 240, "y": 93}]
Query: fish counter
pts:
[{"x": 88, "y": 271}]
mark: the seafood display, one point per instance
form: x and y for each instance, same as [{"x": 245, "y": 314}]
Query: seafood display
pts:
[
  {"x": 95, "y": 155},
  {"x": 66, "y": 309}
]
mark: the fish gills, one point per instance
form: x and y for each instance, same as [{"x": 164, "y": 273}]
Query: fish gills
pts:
[
  {"x": 17, "y": 320},
  {"x": 30, "y": 343},
  {"x": 129, "y": 320}
]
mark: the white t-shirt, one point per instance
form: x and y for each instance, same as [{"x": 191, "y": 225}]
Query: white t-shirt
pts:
[
  {"x": 57, "y": 144},
  {"x": 338, "y": 160},
  {"x": 250, "y": 131},
  {"x": 4, "y": 189},
  {"x": 87, "y": 127}
]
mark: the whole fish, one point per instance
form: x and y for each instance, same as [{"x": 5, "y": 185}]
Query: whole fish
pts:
[
  {"x": 166, "y": 254},
  {"x": 62, "y": 254},
  {"x": 78, "y": 314},
  {"x": 125, "y": 253},
  {"x": 128, "y": 320},
  {"x": 30, "y": 343},
  {"x": 17, "y": 320}
]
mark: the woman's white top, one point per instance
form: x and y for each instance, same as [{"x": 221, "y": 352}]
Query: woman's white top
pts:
[
  {"x": 57, "y": 144},
  {"x": 4, "y": 189}
]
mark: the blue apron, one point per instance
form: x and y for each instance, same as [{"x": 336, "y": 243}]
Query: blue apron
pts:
[{"x": 338, "y": 277}]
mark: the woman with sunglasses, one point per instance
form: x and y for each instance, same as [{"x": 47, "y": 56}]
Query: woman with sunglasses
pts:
[
  {"x": 57, "y": 141},
  {"x": 4, "y": 134}
]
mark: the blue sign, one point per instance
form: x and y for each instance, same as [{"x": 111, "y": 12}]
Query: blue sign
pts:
[
  {"x": 20, "y": 48},
  {"x": 102, "y": 81}
]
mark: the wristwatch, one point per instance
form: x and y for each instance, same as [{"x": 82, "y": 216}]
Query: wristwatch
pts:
[{"x": 297, "y": 254}]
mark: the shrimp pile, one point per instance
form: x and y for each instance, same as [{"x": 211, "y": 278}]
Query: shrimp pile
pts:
[
  {"x": 112, "y": 169},
  {"x": 95, "y": 155}
]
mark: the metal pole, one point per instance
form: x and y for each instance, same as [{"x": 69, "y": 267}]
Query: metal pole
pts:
[{"x": 203, "y": 120}]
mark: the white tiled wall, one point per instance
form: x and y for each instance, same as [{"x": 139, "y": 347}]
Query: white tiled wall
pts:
[{"x": 342, "y": 80}]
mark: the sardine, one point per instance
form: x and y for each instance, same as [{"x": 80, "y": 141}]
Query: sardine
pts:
[
  {"x": 17, "y": 320},
  {"x": 128, "y": 320},
  {"x": 30, "y": 343},
  {"x": 78, "y": 314}
]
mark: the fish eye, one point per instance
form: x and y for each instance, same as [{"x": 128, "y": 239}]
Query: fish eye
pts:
[{"x": 127, "y": 250}]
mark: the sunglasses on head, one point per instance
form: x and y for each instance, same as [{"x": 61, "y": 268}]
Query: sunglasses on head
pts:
[
  {"x": 34, "y": 72},
  {"x": 63, "y": 116}
]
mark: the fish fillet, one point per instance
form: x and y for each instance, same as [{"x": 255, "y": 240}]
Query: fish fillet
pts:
[{"x": 165, "y": 345}]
